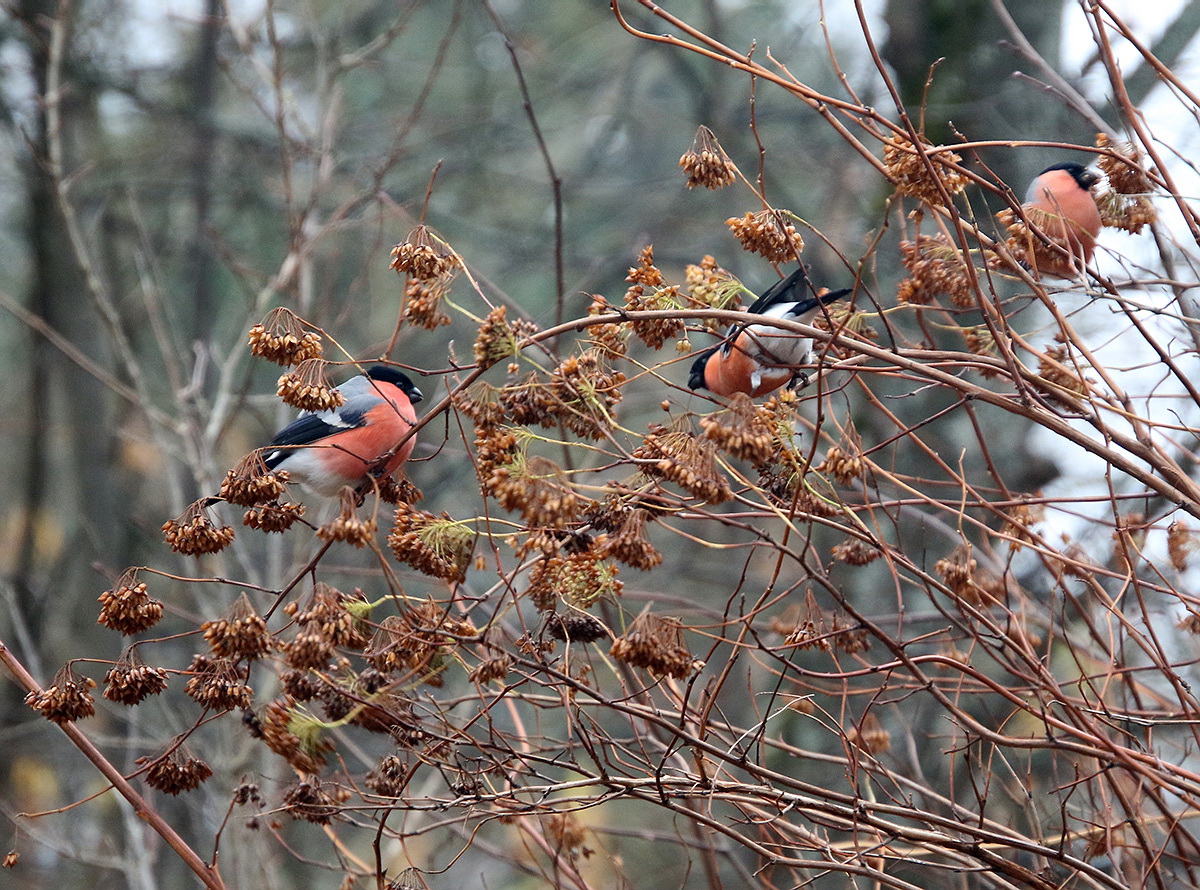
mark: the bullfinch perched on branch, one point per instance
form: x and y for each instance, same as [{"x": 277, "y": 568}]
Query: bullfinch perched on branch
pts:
[
  {"x": 757, "y": 359},
  {"x": 326, "y": 450},
  {"x": 1068, "y": 216}
]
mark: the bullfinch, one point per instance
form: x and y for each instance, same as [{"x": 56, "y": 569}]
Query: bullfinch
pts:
[
  {"x": 1070, "y": 217},
  {"x": 757, "y": 359},
  {"x": 326, "y": 450}
]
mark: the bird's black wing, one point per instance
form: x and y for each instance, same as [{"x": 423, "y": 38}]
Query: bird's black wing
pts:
[{"x": 309, "y": 428}]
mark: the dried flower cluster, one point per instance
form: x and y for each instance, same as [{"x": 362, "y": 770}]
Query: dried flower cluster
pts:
[
  {"x": 870, "y": 736},
  {"x": 250, "y": 483},
  {"x": 194, "y": 534},
  {"x": 309, "y": 801},
  {"x": 745, "y": 430},
  {"x": 577, "y": 579},
  {"x": 855, "y": 552},
  {"x": 338, "y": 617},
  {"x": 1124, "y": 170},
  {"x": 499, "y": 338},
  {"x": 241, "y": 633},
  {"x": 537, "y": 488},
  {"x": 906, "y": 168},
  {"x": 767, "y": 234},
  {"x": 807, "y": 626},
  {"x": 415, "y": 639},
  {"x": 648, "y": 292},
  {"x": 274, "y": 517},
  {"x": 491, "y": 670},
  {"x": 1181, "y": 544},
  {"x": 282, "y": 339},
  {"x": 294, "y": 736},
  {"x": 423, "y": 301},
  {"x": 628, "y": 542},
  {"x": 218, "y": 683},
  {"x": 347, "y": 526},
  {"x": 131, "y": 680},
  {"x": 706, "y": 163},
  {"x": 960, "y": 572},
  {"x": 935, "y": 266},
  {"x": 655, "y": 643},
  {"x": 678, "y": 456},
  {"x": 1056, "y": 367},
  {"x": 575, "y": 627},
  {"x": 176, "y": 771},
  {"x": 435, "y": 546},
  {"x": 128, "y": 608},
  {"x": 1132, "y": 213},
  {"x": 843, "y": 465},
  {"x": 711, "y": 287},
  {"x": 306, "y": 387},
  {"x": 68, "y": 697},
  {"x": 424, "y": 255}
]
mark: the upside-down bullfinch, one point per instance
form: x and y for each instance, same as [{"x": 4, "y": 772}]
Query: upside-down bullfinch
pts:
[
  {"x": 326, "y": 450},
  {"x": 1069, "y": 217},
  {"x": 756, "y": 359}
]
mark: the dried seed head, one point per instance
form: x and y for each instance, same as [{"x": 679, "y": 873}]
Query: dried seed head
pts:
[
  {"x": 68, "y": 697},
  {"x": 300, "y": 685},
  {"x": 1057, "y": 368},
  {"x": 744, "y": 430},
  {"x": 1131, "y": 213},
  {"x": 176, "y": 772},
  {"x": 1181, "y": 543},
  {"x": 960, "y": 572},
  {"x": 1017, "y": 524},
  {"x": 584, "y": 392},
  {"x": 711, "y": 287},
  {"x": 389, "y": 777},
  {"x": 127, "y": 608},
  {"x": 575, "y": 627},
  {"x": 424, "y": 255},
  {"x": 908, "y": 171},
  {"x": 870, "y": 736},
  {"x": 538, "y": 489},
  {"x": 241, "y": 633},
  {"x": 294, "y": 736},
  {"x": 491, "y": 670},
  {"x": 415, "y": 639},
  {"x": 804, "y": 625},
  {"x": 307, "y": 388},
  {"x": 577, "y": 579},
  {"x": 855, "y": 552},
  {"x": 677, "y": 456},
  {"x": 1124, "y": 172},
  {"x": 423, "y": 301},
  {"x": 282, "y": 339},
  {"x": 338, "y": 617},
  {"x": 706, "y": 163},
  {"x": 131, "y": 680},
  {"x": 843, "y": 465},
  {"x": 397, "y": 489},
  {"x": 310, "y": 649},
  {"x": 767, "y": 234},
  {"x": 935, "y": 266},
  {"x": 655, "y": 642},
  {"x": 307, "y": 800},
  {"x": 273, "y": 517},
  {"x": 440, "y": 547},
  {"x": 193, "y": 533},
  {"x": 628, "y": 544},
  {"x": 347, "y": 526},
  {"x": 499, "y": 339},
  {"x": 250, "y": 483},
  {"x": 217, "y": 683}
]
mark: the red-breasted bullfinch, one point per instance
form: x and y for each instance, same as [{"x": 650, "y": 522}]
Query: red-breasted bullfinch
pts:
[
  {"x": 326, "y": 450},
  {"x": 1070, "y": 217},
  {"x": 757, "y": 359}
]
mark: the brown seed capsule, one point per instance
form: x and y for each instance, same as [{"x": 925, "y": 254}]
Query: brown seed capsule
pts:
[
  {"x": 767, "y": 234},
  {"x": 131, "y": 680},
  {"x": 307, "y": 388},
  {"x": 282, "y": 339},
  {"x": 905, "y": 167},
  {"x": 655, "y": 643},
  {"x": 240, "y": 633},
  {"x": 424, "y": 255},
  {"x": 127, "y": 607},
  {"x": 250, "y": 483},
  {"x": 193, "y": 533},
  {"x": 706, "y": 163},
  {"x": 68, "y": 698},
  {"x": 176, "y": 772}
]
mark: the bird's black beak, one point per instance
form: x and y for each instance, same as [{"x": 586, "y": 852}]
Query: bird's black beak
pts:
[{"x": 414, "y": 395}]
